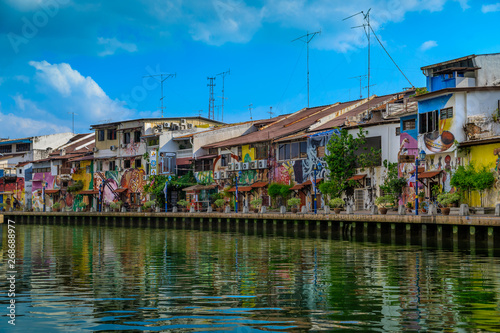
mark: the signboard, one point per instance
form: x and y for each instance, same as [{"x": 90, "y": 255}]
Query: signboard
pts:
[
  {"x": 406, "y": 158},
  {"x": 153, "y": 172}
]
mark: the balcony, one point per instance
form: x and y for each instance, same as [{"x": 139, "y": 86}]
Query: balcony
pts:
[{"x": 182, "y": 153}]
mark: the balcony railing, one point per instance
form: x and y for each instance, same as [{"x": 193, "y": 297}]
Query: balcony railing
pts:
[
  {"x": 65, "y": 171},
  {"x": 185, "y": 153}
]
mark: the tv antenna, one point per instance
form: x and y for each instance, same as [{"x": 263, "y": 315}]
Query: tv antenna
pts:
[
  {"x": 306, "y": 39},
  {"x": 271, "y": 113},
  {"x": 73, "y": 120},
  {"x": 211, "y": 99},
  {"x": 199, "y": 112},
  {"x": 223, "y": 74},
  {"x": 360, "y": 78},
  {"x": 250, "y": 109},
  {"x": 163, "y": 77},
  {"x": 366, "y": 27}
]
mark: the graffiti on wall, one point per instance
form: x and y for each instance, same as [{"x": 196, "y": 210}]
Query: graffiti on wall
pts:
[
  {"x": 14, "y": 192},
  {"x": 204, "y": 177}
]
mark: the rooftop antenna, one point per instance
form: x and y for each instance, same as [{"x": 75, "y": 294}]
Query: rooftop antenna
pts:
[
  {"x": 360, "y": 78},
  {"x": 223, "y": 74},
  {"x": 250, "y": 109},
  {"x": 306, "y": 39},
  {"x": 163, "y": 77},
  {"x": 366, "y": 27},
  {"x": 199, "y": 112},
  {"x": 271, "y": 113},
  {"x": 73, "y": 120},
  {"x": 211, "y": 99}
]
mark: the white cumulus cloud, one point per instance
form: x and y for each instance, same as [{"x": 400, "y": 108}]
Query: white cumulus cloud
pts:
[
  {"x": 491, "y": 8},
  {"x": 428, "y": 45},
  {"x": 111, "y": 45}
]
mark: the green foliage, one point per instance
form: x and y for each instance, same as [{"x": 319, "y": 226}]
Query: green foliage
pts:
[
  {"x": 277, "y": 190},
  {"x": 469, "y": 178},
  {"x": 219, "y": 202},
  {"x": 483, "y": 179},
  {"x": 336, "y": 203},
  {"x": 385, "y": 201},
  {"x": 447, "y": 199},
  {"x": 149, "y": 204},
  {"x": 77, "y": 186},
  {"x": 82, "y": 204},
  {"x": 343, "y": 158},
  {"x": 116, "y": 205},
  {"x": 183, "y": 203},
  {"x": 392, "y": 182},
  {"x": 216, "y": 196},
  {"x": 56, "y": 206},
  {"x": 293, "y": 202},
  {"x": 256, "y": 202},
  {"x": 327, "y": 187}
]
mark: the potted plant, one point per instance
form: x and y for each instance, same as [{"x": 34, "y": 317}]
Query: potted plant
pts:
[
  {"x": 293, "y": 203},
  {"x": 336, "y": 204},
  {"x": 256, "y": 203},
  {"x": 83, "y": 205},
  {"x": 116, "y": 206},
  {"x": 409, "y": 206},
  {"x": 447, "y": 200},
  {"x": 219, "y": 203},
  {"x": 148, "y": 205},
  {"x": 383, "y": 202},
  {"x": 184, "y": 204},
  {"x": 56, "y": 207}
]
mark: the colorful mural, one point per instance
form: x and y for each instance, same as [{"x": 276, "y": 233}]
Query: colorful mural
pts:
[
  {"x": 13, "y": 192},
  {"x": 204, "y": 177},
  {"x": 488, "y": 155}
]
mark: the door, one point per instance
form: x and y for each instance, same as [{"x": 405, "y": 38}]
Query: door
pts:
[{"x": 359, "y": 199}]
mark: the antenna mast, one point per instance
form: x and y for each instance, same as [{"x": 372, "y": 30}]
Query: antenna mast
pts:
[
  {"x": 163, "y": 77},
  {"x": 360, "y": 78},
  {"x": 271, "y": 113},
  {"x": 211, "y": 99},
  {"x": 73, "y": 120},
  {"x": 223, "y": 74},
  {"x": 250, "y": 109},
  {"x": 306, "y": 39}
]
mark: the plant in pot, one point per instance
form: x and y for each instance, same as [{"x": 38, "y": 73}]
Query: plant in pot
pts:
[
  {"x": 56, "y": 207},
  {"x": 184, "y": 204},
  {"x": 383, "y": 202},
  {"x": 447, "y": 200},
  {"x": 149, "y": 205},
  {"x": 336, "y": 204},
  {"x": 421, "y": 197},
  {"x": 83, "y": 205},
  {"x": 294, "y": 204},
  {"x": 256, "y": 203},
  {"x": 219, "y": 203},
  {"x": 116, "y": 206},
  {"x": 409, "y": 206}
]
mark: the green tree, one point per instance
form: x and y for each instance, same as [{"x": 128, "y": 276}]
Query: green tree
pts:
[
  {"x": 483, "y": 180},
  {"x": 463, "y": 180},
  {"x": 393, "y": 184}
]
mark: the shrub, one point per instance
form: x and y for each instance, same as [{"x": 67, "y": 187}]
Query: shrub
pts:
[
  {"x": 56, "y": 206},
  {"x": 82, "y": 204},
  {"x": 385, "y": 201},
  {"x": 256, "y": 202},
  {"x": 149, "y": 204},
  {"x": 219, "y": 203},
  {"x": 336, "y": 203},
  {"x": 447, "y": 199},
  {"x": 293, "y": 202},
  {"x": 184, "y": 203},
  {"x": 78, "y": 186}
]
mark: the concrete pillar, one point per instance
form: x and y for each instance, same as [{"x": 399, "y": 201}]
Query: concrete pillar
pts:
[
  {"x": 209, "y": 209},
  {"x": 373, "y": 210},
  {"x": 245, "y": 210},
  {"x": 401, "y": 210},
  {"x": 124, "y": 210},
  {"x": 472, "y": 237},
  {"x": 191, "y": 210},
  {"x": 303, "y": 210},
  {"x": 174, "y": 209},
  {"x": 497, "y": 210},
  {"x": 282, "y": 209},
  {"x": 393, "y": 233},
  {"x": 262, "y": 209},
  {"x": 408, "y": 233},
  {"x": 432, "y": 210},
  {"x": 157, "y": 209},
  {"x": 349, "y": 209},
  {"x": 227, "y": 210},
  {"x": 464, "y": 210},
  {"x": 327, "y": 209},
  {"x": 424, "y": 235}
]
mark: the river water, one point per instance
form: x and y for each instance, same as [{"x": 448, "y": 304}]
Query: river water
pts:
[{"x": 84, "y": 278}]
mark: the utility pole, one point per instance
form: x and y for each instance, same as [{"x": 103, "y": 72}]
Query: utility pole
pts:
[
  {"x": 211, "y": 99},
  {"x": 306, "y": 39},
  {"x": 73, "y": 120},
  {"x": 223, "y": 74},
  {"x": 366, "y": 26},
  {"x": 360, "y": 78},
  {"x": 250, "y": 109},
  {"x": 271, "y": 113},
  {"x": 163, "y": 77}
]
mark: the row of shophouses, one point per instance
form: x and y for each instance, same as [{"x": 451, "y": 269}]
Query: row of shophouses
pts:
[{"x": 456, "y": 121}]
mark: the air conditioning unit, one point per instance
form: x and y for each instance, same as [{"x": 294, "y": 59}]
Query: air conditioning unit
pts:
[
  {"x": 95, "y": 150},
  {"x": 112, "y": 148},
  {"x": 157, "y": 130},
  {"x": 262, "y": 164},
  {"x": 254, "y": 165},
  {"x": 183, "y": 126},
  {"x": 166, "y": 125},
  {"x": 216, "y": 175},
  {"x": 237, "y": 166},
  {"x": 230, "y": 166},
  {"x": 222, "y": 175},
  {"x": 145, "y": 177},
  {"x": 245, "y": 166},
  {"x": 124, "y": 145},
  {"x": 183, "y": 121},
  {"x": 190, "y": 125}
]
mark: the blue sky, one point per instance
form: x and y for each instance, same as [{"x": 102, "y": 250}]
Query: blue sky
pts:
[{"x": 63, "y": 56}]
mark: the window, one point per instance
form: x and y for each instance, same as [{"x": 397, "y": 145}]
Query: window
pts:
[
  {"x": 112, "y": 134},
  {"x": 138, "y": 163},
  {"x": 154, "y": 142},
  {"x": 112, "y": 165},
  {"x": 22, "y": 147},
  {"x": 168, "y": 164},
  {"x": 126, "y": 137},
  {"x": 284, "y": 152},
  {"x": 368, "y": 182},
  {"x": 87, "y": 169},
  {"x": 303, "y": 149},
  {"x": 65, "y": 184},
  {"x": 398, "y": 131},
  {"x": 295, "y": 149},
  {"x": 137, "y": 136},
  {"x": 224, "y": 160},
  {"x": 261, "y": 151},
  {"x": 428, "y": 122},
  {"x": 446, "y": 113},
  {"x": 135, "y": 198},
  {"x": 100, "y": 135},
  {"x": 213, "y": 151},
  {"x": 20, "y": 171},
  {"x": 126, "y": 164},
  {"x": 408, "y": 124},
  {"x": 240, "y": 153},
  {"x": 98, "y": 166},
  {"x": 6, "y": 149}
]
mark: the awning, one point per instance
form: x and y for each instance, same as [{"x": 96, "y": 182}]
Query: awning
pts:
[
  {"x": 241, "y": 189},
  {"x": 89, "y": 192},
  {"x": 183, "y": 161},
  {"x": 121, "y": 189},
  {"x": 84, "y": 158},
  {"x": 199, "y": 187},
  {"x": 420, "y": 170},
  {"x": 309, "y": 182},
  {"x": 205, "y": 157},
  {"x": 357, "y": 177},
  {"x": 297, "y": 187},
  {"x": 6, "y": 193},
  {"x": 52, "y": 191},
  {"x": 259, "y": 184},
  {"x": 429, "y": 174}
]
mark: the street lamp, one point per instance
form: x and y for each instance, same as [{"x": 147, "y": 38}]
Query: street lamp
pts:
[
  {"x": 100, "y": 196},
  {"x": 165, "y": 190},
  {"x": 236, "y": 203},
  {"x": 315, "y": 190},
  {"x": 420, "y": 157}
]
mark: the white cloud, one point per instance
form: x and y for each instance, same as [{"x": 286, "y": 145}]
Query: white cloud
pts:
[
  {"x": 66, "y": 90},
  {"x": 490, "y": 8},
  {"x": 22, "y": 78},
  {"x": 428, "y": 45},
  {"x": 111, "y": 45},
  {"x": 15, "y": 126}
]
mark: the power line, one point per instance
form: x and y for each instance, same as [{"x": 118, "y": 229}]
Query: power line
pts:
[
  {"x": 161, "y": 75},
  {"x": 307, "y": 40}
]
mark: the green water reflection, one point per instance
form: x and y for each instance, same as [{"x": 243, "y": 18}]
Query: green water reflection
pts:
[{"x": 82, "y": 278}]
